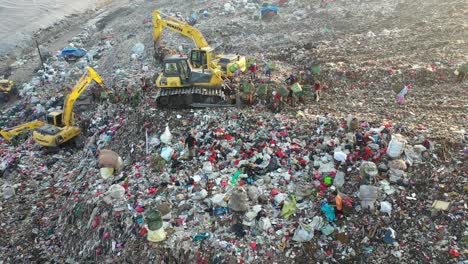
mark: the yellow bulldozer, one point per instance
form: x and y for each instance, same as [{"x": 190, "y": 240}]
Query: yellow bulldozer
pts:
[
  {"x": 59, "y": 126},
  {"x": 7, "y": 89},
  {"x": 197, "y": 80}
]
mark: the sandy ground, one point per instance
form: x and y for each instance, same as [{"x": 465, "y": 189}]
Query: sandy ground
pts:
[{"x": 21, "y": 18}]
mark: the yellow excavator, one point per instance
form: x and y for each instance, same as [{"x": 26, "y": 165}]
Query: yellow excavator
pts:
[
  {"x": 194, "y": 81},
  {"x": 7, "y": 89},
  {"x": 59, "y": 127}
]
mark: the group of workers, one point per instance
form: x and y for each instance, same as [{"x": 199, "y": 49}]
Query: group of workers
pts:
[{"x": 249, "y": 90}]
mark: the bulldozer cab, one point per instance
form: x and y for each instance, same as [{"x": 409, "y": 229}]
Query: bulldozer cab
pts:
[{"x": 55, "y": 118}]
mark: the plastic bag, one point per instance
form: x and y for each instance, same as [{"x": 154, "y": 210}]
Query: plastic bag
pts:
[
  {"x": 156, "y": 235},
  {"x": 166, "y": 137},
  {"x": 264, "y": 223},
  {"x": 368, "y": 195},
  {"x": 166, "y": 153},
  {"x": 109, "y": 159},
  {"x": 106, "y": 173},
  {"x": 296, "y": 88},
  {"x": 386, "y": 207},
  {"x": 289, "y": 208},
  {"x": 138, "y": 49},
  {"x": 368, "y": 169},
  {"x": 329, "y": 212},
  {"x": 339, "y": 156},
  {"x": 339, "y": 179},
  {"x": 116, "y": 191},
  {"x": 327, "y": 230},
  {"x": 396, "y": 146},
  {"x": 303, "y": 233}
]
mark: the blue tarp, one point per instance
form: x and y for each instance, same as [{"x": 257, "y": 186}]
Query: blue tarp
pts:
[
  {"x": 74, "y": 52},
  {"x": 267, "y": 9}
]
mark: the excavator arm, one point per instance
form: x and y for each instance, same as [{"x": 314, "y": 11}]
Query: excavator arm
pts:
[
  {"x": 178, "y": 26},
  {"x": 14, "y": 131},
  {"x": 80, "y": 86}
]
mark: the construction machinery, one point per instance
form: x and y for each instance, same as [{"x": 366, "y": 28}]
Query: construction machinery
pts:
[
  {"x": 197, "y": 80},
  {"x": 202, "y": 57},
  {"x": 7, "y": 89},
  {"x": 59, "y": 126}
]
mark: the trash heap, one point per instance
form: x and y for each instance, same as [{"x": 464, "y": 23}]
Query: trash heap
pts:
[
  {"x": 258, "y": 189},
  {"x": 260, "y": 186}
]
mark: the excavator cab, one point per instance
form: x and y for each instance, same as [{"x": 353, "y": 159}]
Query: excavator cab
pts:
[
  {"x": 198, "y": 58},
  {"x": 55, "y": 119},
  {"x": 178, "y": 72}
]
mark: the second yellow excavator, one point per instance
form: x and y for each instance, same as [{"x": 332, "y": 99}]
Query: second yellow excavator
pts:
[{"x": 59, "y": 127}]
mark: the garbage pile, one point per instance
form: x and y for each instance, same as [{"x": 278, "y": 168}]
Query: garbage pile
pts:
[
  {"x": 259, "y": 188},
  {"x": 261, "y": 185}
]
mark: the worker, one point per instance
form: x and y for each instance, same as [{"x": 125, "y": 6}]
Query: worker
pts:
[
  {"x": 253, "y": 70},
  {"x": 291, "y": 79},
  {"x": 251, "y": 93},
  {"x": 191, "y": 142},
  {"x": 268, "y": 70},
  {"x": 462, "y": 70},
  {"x": 290, "y": 97},
  {"x": 318, "y": 89},
  {"x": 402, "y": 93},
  {"x": 338, "y": 203}
]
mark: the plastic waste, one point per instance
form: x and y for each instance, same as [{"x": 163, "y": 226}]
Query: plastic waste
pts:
[
  {"x": 156, "y": 235},
  {"x": 166, "y": 153},
  {"x": 8, "y": 191},
  {"x": 317, "y": 223},
  {"x": 339, "y": 156},
  {"x": 386, "y": 207},
  {"x": 106, "y": 173},
  {"x": 201, "y": 236},
  {"x": 339, "y": 179},
  {"x": 154, "y": 219},
  {"x": 234, "y": 178},
  {"x": 218, "y": 200},
  {"x": 368, "y": 169},
  {"x": 239, "y": 201},
  {"x": 303, "y": 233},
  {"x": 289, "y": 208},
  {"x": 327, "y": 230},
  {"x": 116, "y": 191},
  {"x": 396, "y": 146},
  {"x": 329, "y": 211},
  {"x": 264, "y": 223},
  {"x": 138, "y": 49},
  {"x": 368, "y": 195},
  {"x": 390, "y": 236},
  {"x": 109, "y": 159},
  {"x": 166, "y": 137}
]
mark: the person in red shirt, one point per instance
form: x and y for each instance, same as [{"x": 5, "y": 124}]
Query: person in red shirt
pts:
[
  {"x": 253, "y": 70},
  {"x": 318, "y": 89}
]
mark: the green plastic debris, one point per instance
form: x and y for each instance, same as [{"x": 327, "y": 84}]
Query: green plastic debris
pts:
[
  {"x": 234, "y": 177},
  {"x": 247, "y": 87},
  {"x": 289, "y": 208},
  {"x": 328, "y": 180},
  {"x": 316, "y": 69},
  {"x": 154, "y": 220},
  {"x": 296, "y": 88},
  {"x": 283, "y": 91},
  {"x": 262, "y": 89}
]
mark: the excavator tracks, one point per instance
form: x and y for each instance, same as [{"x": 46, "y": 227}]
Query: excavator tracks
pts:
[{"x": 197, "y": 96}]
